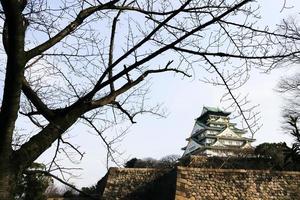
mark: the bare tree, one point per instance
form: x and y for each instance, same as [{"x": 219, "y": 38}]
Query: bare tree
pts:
[
  {"x": 290, "y": 88},
  {"x": 88, "y": 60}
]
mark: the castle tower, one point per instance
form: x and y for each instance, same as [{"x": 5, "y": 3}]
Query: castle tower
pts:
[{"x": 214, "y": 135}]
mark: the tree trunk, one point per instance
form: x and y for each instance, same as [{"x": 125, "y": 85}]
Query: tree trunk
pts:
[
  {"x": 7, "y": 180},
  {"x": 13, "y": 38}
]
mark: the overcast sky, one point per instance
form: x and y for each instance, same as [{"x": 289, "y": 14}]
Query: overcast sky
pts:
[{"x": 157, "y": 137}]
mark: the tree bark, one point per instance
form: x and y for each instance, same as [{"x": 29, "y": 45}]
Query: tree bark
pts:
[
  {"x": 13, "y": 40},
  {"x": 7, "y": 180}
]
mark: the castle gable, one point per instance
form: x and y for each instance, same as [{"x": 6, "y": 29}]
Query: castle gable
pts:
[
  {"x": 197, "y": 127},
  {"x": 192, "y": 146},
  {"x": 228, "y": 133}
]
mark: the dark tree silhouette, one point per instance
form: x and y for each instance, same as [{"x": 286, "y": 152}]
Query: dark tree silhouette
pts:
[
  {"x": 87, "y": 60},
  {"x": 32, "y": 186},
  {"x": 276, "y": 152},
  {"x": 290, "y": 88}
]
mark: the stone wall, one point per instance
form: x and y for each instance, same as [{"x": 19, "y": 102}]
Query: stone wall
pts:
[
  {"x": 140, "y": 183},
  {"x": 197, "y": 183},
  {"x": 200, "y": 179}
]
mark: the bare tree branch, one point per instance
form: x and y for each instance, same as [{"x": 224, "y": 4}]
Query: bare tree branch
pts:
[
  {"x": 68, "y": 29},
  {"x": 242, "y": 112}
]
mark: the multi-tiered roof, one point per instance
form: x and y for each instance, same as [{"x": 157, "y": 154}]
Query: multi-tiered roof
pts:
[{"x": 214, "y": 135}]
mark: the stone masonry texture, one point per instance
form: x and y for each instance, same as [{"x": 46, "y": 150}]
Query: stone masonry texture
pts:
[
  {"x": 192, "y": 182},
  {"x": 136, "y": 184},
  {"x": 197, "y": 183}
]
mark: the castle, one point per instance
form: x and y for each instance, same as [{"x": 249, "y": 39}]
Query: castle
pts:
[
  {"x": 206, "y": 171},
  {"x": 214, "y": 135}
]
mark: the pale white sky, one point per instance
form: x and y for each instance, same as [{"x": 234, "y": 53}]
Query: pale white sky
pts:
[{"x": 157, "y": 137}]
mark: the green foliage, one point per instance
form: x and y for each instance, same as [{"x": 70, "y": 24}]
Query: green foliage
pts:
[
  {"x": 292, "y": 128},
  {"x": 276, "y": 152},
  {"x": 165, "y": 162},
  {"x": 90, "y": 190},
  {"x": 95, "y": 190},
  {"x": 271, "y": 150},
  {"x": 131, "y": 163},
  {"x": 69, "y": 193},
  {"x": 32, "y": 186}
]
